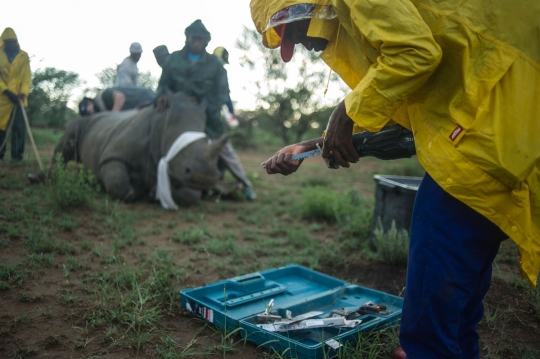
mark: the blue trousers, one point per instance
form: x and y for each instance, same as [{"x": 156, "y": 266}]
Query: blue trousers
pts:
[{"x": 451, "y": 251}]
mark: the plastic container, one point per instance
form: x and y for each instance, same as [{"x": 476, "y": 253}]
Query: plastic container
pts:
[
  {"x": 394, "y": 201},
  {"x": 234, "y": 303}
]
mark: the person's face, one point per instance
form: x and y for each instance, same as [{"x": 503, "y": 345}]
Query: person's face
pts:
[
  {"x": 90, "y": 110},
  {"x": 197, "y": 44},
  {"x": 297, "y": 32},
  {"x": 136, "y": 57},
  {"x": 11, "y": 45}
]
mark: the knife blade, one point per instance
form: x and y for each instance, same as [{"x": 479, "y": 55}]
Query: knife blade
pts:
[{"x": 302, "y": 156}]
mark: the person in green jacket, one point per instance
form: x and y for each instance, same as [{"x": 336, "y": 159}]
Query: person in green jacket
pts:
[{"x": 198, "y": 74}]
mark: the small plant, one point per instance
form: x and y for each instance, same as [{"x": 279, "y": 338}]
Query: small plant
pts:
[
  {"x": 71, "y": 187},
  {"x": 22, "y": 319},
  {"x": 67, "y": 223},
  {"x": 53, "y": 340},
  {"x": 23, "y": 353},
  {"x": 393, "y": 245},
  {"x": 47, "y": 313},
  {"x": 68, "y": 298},
  {"x": 41, "y": 259},
  {"x": 491, "y": 316},
  {"x": 87, "y": 245},
  {"x": 28, "y": 298},
  {"x": 192, "y": 236}
]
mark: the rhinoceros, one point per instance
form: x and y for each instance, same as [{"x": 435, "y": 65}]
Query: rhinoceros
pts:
[{"x": 123, "y": 150}]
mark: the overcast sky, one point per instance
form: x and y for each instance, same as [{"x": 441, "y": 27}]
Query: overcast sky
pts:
[{"x": 87, "y": 36}]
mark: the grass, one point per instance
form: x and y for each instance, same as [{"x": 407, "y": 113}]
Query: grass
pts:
[
  {"x": 117, "y": 269},
  {"x": 392, "y": 245},
  {"x": 71, "y": 186}
]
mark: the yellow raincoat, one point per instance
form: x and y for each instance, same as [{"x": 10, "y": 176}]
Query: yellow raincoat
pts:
[
  {"x": 464, "y": 76},
  {"x": 14, "y": 77}
]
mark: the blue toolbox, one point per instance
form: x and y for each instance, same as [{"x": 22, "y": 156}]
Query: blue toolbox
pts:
[{"x": 294, "y": 310}]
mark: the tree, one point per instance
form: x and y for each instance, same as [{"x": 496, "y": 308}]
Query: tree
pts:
[
  {"x": 107, "y": 78},
  {"x": 289, "y": 104},
  {"x": 49, "y": 94}
]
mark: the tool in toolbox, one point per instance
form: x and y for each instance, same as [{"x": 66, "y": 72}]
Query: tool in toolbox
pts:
[
  {"x": 390, "y": 143},
  {"x": 372, "y": 308}
]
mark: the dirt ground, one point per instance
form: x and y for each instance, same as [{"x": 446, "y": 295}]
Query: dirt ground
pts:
[{"x": 47, "y": 316}]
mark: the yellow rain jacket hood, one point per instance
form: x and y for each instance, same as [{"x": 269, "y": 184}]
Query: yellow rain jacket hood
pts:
[
  {"x": 14, "y": 76},
  {"x": 463, "y": 75}
]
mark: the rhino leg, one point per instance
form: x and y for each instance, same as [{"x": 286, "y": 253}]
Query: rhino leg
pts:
[{"x": 116, "y": 180}]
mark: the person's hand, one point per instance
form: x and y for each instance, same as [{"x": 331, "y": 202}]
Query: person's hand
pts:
[
  {"x": 338, "y": 139},
  {"x": 162, "y": 103},
  {"x": 12, "y": 97},
  {"x": 281, "y": 161},
  {"x": 21, "y": 97}
]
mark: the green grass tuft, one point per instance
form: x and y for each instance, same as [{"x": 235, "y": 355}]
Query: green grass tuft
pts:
[
  {"x": 71, "y": 187},
  {"x": 392, "y": 245}
]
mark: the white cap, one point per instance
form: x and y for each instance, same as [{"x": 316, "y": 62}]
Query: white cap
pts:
[{"x": 135, "y": 48}]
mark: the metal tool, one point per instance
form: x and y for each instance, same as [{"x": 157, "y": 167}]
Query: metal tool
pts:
[
  {"x": 390, "y": 143},
  {"x": 373, "y": 308}
]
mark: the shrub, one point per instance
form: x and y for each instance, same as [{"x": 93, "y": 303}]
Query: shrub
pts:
[
  {"x": 392, "y": 245},
  {"x": 71, "y": 187}
]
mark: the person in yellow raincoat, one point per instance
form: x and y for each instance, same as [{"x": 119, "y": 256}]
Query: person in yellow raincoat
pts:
[
  {"x": 463, "y": 75},
  {"x": 14, "y": 87}
]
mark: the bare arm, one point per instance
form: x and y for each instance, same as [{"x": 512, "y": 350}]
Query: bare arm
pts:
[{"x": 281, "y": 161}]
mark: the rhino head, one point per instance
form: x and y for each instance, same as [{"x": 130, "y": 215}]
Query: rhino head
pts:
[{"x": 195, "y": 167}]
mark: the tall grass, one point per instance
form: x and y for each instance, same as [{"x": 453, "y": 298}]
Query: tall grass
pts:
[
  {"x": 71, "y": 186},
  {"x": 392, "y": 245},
  {"x": 349, "y": 210}
]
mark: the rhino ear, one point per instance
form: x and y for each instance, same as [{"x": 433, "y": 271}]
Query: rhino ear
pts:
[{"x": 217, "y": 145}]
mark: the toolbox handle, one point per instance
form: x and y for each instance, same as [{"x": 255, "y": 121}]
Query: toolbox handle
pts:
[
  {"x": 248, "y": 298},
  {"x": 248, "y": 279}
]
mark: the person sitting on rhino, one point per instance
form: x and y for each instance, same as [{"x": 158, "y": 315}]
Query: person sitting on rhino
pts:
[
  {"x": 116, "y": 99},
  {"x": 199, "y": 75}
]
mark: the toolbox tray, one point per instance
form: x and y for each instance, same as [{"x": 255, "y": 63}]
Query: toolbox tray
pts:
[{"x": 234, "y": 303}]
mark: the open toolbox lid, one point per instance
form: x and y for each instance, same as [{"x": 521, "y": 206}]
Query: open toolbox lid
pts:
[{"x": 234, "y": 303}]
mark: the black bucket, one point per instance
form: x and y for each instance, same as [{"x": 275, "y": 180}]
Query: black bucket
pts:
[{"x": 394, "y": 202}]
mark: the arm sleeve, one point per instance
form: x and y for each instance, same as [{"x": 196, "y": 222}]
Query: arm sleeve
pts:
[
  {"x": 408, "y": 57},
  {"x": 26, "y": 78},
  {"x": 163, "y": 80},
  {"x": 230, "y": 105},
  {"x": 220, "y": 92}
]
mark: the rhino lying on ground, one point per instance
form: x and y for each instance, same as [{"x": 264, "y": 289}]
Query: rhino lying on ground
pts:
[{"x": 123, "y": 151}]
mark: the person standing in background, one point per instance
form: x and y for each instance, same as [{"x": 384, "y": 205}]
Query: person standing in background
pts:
[
  {"x": 127, "y": 73},
  {"x": 228, "y": 156},
  {"x": 15, "y": 82}
]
